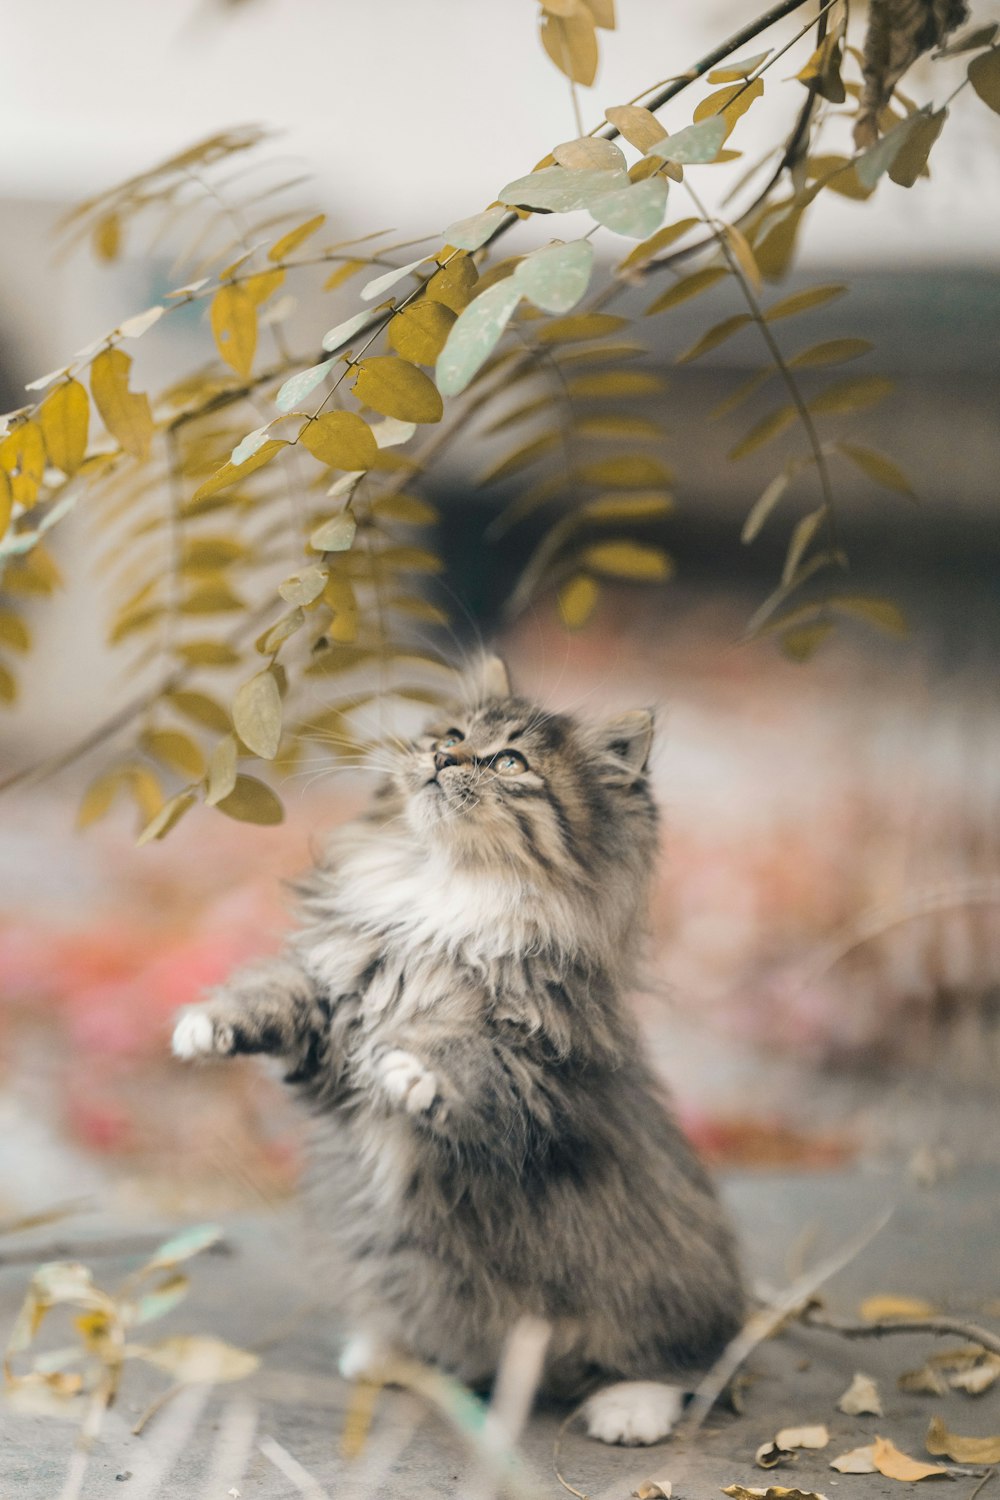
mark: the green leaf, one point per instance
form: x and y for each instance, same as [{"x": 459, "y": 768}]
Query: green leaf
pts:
[
  {"x": 831, "y": 352},
  {"x": 251, "y": 801},
  {"x": 693, "y": 144},
  {"x": 257, "y": 714},
  {"x": 911, "y": 161},
  {"x": 471, "y": 233},
  {"x": 299, "y": 386},
  {"x": 687, "y": 286},
  {"x": 249, "y": 445},
  {"x": 871, "y": 164},
  {"x": 814, "y": 296},
  {"x": 851, "y": 395},
  {"x": 395, "y": 388},
  {"x": 877, "y": 467},
  {"x": 302, "y": 588},
  {"x": 984, "y": 75},
  {"x": 475, "y": 335},
  {"x": 341, "y": 439},
  {"x": 577, "y": 600},
  {"x": 335, "y": 535},
  {"x": 556, "y": 277},
  {"x": 342, "y": 333},
  {"x": 374, "y": 289},
  {"x": 731, "y": 71},
  {"x": 763, "y": 507},
  {"x": 763, "y": 431},
  {"x": 635, "y": 210},
  {"x": 634, "y": 560},
  {"x": 802, "y": 535},
  {"x": 590, "y": 152},
  {"x": 560, "y": 189},
  {"x": 716, "y": 335}
]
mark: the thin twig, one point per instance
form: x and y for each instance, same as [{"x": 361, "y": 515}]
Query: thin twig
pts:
[
  {"x": 940, "y": 1327},
  {"x": 557, "y": 1454}
]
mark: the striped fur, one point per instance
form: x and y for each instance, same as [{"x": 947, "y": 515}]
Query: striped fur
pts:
[{"x": 487, "y": 1139}]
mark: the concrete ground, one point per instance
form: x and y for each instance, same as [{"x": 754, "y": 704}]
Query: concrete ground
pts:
[{"x": 277, "y": 1434}]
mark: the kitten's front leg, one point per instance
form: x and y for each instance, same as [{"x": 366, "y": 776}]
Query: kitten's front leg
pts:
[{"x": 272, "y": 1008}]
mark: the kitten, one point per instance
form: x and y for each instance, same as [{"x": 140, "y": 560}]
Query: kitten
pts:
[{"x": 488, "y": 1140}]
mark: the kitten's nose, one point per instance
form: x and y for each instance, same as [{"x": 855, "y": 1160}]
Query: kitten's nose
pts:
[{"x": 442, "y": 759}]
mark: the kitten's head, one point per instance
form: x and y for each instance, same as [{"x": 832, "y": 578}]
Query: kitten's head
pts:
[{"x": 500, "y": 783}]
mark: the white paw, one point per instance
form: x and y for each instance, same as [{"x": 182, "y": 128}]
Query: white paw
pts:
[
  {"x": 196, "y": 1035},
  {"x": 364, "y": 1356},
  {"x": 633, "y": 1412},
  {"x": 407, "y": 1082}
]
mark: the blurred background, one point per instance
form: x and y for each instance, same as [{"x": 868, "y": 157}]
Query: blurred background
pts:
[{"x": 824, "y": 984}]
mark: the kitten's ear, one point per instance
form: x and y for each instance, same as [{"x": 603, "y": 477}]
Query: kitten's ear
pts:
[
  {"x": 490, "y": 678},
  {"x": 624, "y": 744}
]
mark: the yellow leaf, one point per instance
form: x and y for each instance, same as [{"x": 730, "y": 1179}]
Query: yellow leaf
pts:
[
  {"x": 814, "y": 296},
  {"x": 687, "y": 286},
  {"x": 419, "y": 332},
  {"x": 894, "y": 1464},
  {"x": 571, "y": 43},
  {"x": 251, "y": 801},
  {"x": 64, "y": 417},
  {"x": 742, "y": 68},
  {"x": 851, "y": 395},
  {"x": 336, "y": 534},
  {"x": 964, "y": 1450},
  {"x": 208, "y": 654},
  {"x": 763, "y": 431},
  {"x": 99, "y": 796},
  {"x": 763, "y": 507},
  {"x": 640, "y": 127},
  {"x": 521, "y": 457},
  {"x": 168, "y": 817},
  {"x": 730, "y": 103},
  {"x": 341, "y": 439},
  {"x": 612, "y": 424},
  {"x": 801, "y": 644},
  {"x": 822, "y": 70},
  {"x": 196, "y": 1358},
  {"x": 22, "y": 458},
  {"x": 411, "y": 509},
  {"x": 890, "y": 618},
  {"x": 634, "y": 505},
  {"x": 910, "y": 161},
  {"x": 8, "y": 685},
  {"x": 6, "y": 501},
  {"x": 230, "y": 473},
  {"x": 175, "y": 750},
  {"x": 454, "y": 284},
  {"x": 258, "y": 288},
  {"x": 234, "y": 324},
  {"x": 33, "y": 573},
  {"x": 615, "y": 383},
  {"x": 221, "y": 771},
  {"x": 396, "y": 388},
  {"x": 739, "y": 247},
  {"x": 715, "y": 336},
  {"x": 107, "y": 237},
  {"x": 984, "y": 75},
  {"x": 294, "y": 238},
  {"x": 831, "y": 352},
  {"x": 577, "y": 600},
  {"x": 580, "y": 326},
  {"x": 215, "y": 598},
  {"x": 773, "y": 250},
  {"x": 661, "y": 240},
  {"x": 802, "y": 535},
  {"x": 344, "y": 273},
  {"x": 630, "y": 471},
  {"x": 257, "y": 714},
  {"x": 200, "y": 708},
  {"x": 14, "y": 632},
  {"x": 877, "y": 467},
  {"x": 627, "y": 560},
  {"x": 125, "y": 413},
  {"x": 603, "y": 12}
]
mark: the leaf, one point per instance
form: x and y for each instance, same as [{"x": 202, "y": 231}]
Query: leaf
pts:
[
  {"x": 851, "y": 395},
  {"x": 164, "y": 1299},
  {"x": 590, "y": 152},
  {"x": 410, "y": 509},
  {"x": 630, "y": 471},
  {"x": 473, "y": 232},
  {"x": 716, "y": 335},
  {"x": 125, "y": 413},
  {"x": 13, "y": 631},
  {"x": 861, "y": 1398},
  {"x": 344, "y": 273},
  {"x": 577, "y": 600},
  {"x": 270, "y": 640},
  {"x": 688, "y": 286},
  {"x": 654, "y": 1489},
  {"x": 221, "y": 771},
  {"x": 612, "y": 424},
  {"x": 234, "y": 326},
  {"x": 214, "y": 597},
  {"x": 773, "y": 1492},
  {"x": 374, "y": 289},
  {"x": 984, "y": 75},
  {"x": 857, "y": 1461},
  {"x": 814, "y": 296},
  {"x": 8, "y": 685},
  {"x": 335, "y": 535},
  {"x": 556, "y": 277},
  {"x": 396, "y": 388},
  {"x": 474, "y": 336},
  {"x": 634, "y": 560},
  {"x": 391, "y": 432},
  {"x": 453, "y": 284},
  {"x": 303, "y": 588},
  {"x": 135, "y": 327},
  {"x": 894, "y": 1464},
  {"x": 890, "y": 618},
  {"x": 822, "y": 71},
  {"x": 560, "y": 189},
  {"x": 195, "y": 1358},
  {"x": 740, "y": 250},
  {"x": 295, "y": 237},
  {"x": 340, "y": 439},
  {"x": 257, "y": 714},
  {"x": 639, "y": 126},
  {"x": 230, "y": 472},
  {"x": 297, "y": 387},
  {"x": 694, "y": 144},
  {"x": 581, "y": 326},
  {"x": 923, "y": 1382},
  {"x": 763, "y": 507},
  {"x": 182, "y": 1247},
  {"x": 773, "y": 250},
  {"x": 251, "y": 801},
  {"x": 571, "y": 43},
  {"x": 831, "y": 352},
  {"x": 635, "y": 210},
  {"x": 877, "y": 467},
  {"x": 815, "y": 1436},
  {"x": 200, "y": 708},
  {"x": 910, "y": 161},
  {"x": 258, "y": 288},
  {"x": 175, "y": 750},
  {"x": 22, "y": 458},
  {"x": 636, "y": 505},
  {"x": 615, "y": 383},
  {"x": 342, "y": 333},
  {"x": 770, "y": 1456},
  {"x": 730, "y": 103},
  {"x": 968, "y": 41},
  {"x": 976, "y": 1381},
  {"x": 763, "y": 431},
  {"x": 521, "y": 457},
  {"x": 964, "y": 1450},
  {"x": 420, "y": 332},
  {"x": 731, "y": 71},
  {"x": 661, "y": 240},
  {"x": 64, "y": 418},
  {"x": 802, "y": 535},
  {"x": 168, "y": 817}
]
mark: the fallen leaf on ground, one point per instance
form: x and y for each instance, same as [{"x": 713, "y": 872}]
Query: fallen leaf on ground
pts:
[
  {"x": 772, "y": 1455},
  {"x": 857, "y": 1461},
  {"x": 885, "y": 1305},
  {"x": 923, "y": 1382},
  {"x": 654, "y": 1489},
  {"x": 964, "y": 1450},
  {"x": 773, "y": 1492},
  {"x": 894, "y": 1464},
  {"x": 816, "y": 1436},
  {"x": 976, "y": 1380},
  {"x": 959, "y": 1359},
  {"x": 861, "y": 1398}
]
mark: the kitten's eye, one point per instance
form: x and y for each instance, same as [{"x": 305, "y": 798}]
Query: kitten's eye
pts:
[
  {"x": 510, "y": 763},
  {"x": 448, "y": 741}
]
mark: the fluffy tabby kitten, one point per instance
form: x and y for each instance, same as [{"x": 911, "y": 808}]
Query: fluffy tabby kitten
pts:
[{"x": 488, "y": 1140}]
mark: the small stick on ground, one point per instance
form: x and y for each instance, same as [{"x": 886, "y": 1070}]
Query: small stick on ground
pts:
[
  {"x": 557, "y": 1454},
  {"x": 939, "y": 1326}
]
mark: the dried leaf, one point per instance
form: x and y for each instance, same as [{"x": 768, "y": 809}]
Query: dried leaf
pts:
[
  {"x": 910, "y": 162},
  {"x": 64, "y": 418},
  {"x": 773, "y": 1492},
  {"x": 771, "y": 1456},
  {"x": 857, "y": 1461},
  {"x": 302, "y": 588},
  {"x": 396, "y": 388},
  {"x": 221, "y": 770},
  {"x": 984, "y": 75},
  {"x": 571, "y": 43},
  {"x": 633, "y": 560},
  {"x": 654, "y": 1489},
  {"x": 295, "y": 237},
  {"x": 197, "y": 1358},
  {"x": 175, "y": 750},
  {"x": 831, "y": 352},
  {"x": 22, "y": 459},
  {"x": 200, "y": 708},
  {"x": 716, "y": 335},
  {"x": 577, "y": 600},
  {"x": 340, "y": 439},
  {"x": 978, "y": 1379},
  {"x": 816, "y": 1436},
  {"x": 687, "y": 286},
  {"x": 589, "y": 152},
  {"x": 878, "y": 1309},
  {"x": 234, "y": 325},
  {"x": 861, "y": 1398},
  {"x": 730, "y": 103},
  {"x": 639, "y": 126},
  {"x": 964, "y": 1450},
  {"x": 763, "y": 431},
  {"x": 168, "y": 817},
  {"x": 894, "y": 1464},
  {"x": 851, "y": 395},
  {"x": 257, "y": 714},
  {"x": 581, "y": 326},
  {"x": 251, "y": 801},
  {"x": 923, "y": 1382}
]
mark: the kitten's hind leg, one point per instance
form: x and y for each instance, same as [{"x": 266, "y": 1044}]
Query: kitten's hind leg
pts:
[
  {"x": 634, "y": 1413},
  {"x": 272, "y": 1008}
]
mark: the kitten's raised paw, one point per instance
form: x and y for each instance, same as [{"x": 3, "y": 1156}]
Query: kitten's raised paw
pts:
[
  {"x": 633, "y": 1412},
  {"x": 197, "y": 1034},
  {"x": 407, "y": 1082}
]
